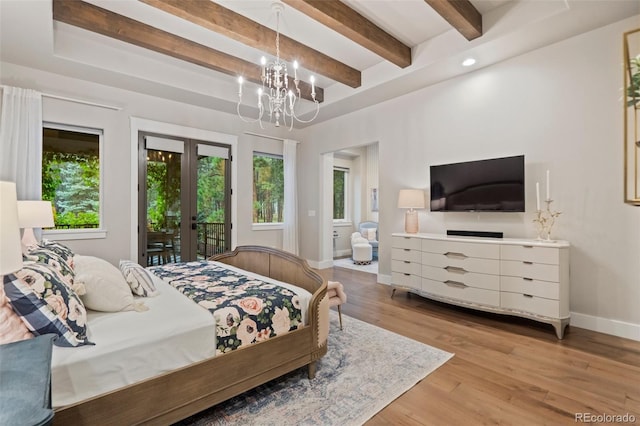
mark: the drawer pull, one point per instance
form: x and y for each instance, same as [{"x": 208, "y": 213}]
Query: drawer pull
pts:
[
  {"x": 454, "y": 255},
  {"x": 407, "y": 275},
  {"x": 528, "y": 295},
  {"x": 527, "y": 246},
  {"x": 526, "y": 262},
  {"x": 455, "y": 269},
  {"x": 406, "y": 261},
  {"x": 456, "y": 284},
  {"x": 406, "y": 249},
  {"x": 527, "y": 279}
]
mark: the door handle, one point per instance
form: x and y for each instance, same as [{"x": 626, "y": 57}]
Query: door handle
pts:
[{"x": 194, "y": 226}]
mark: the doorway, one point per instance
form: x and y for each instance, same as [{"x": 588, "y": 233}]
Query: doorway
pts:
[{"x": 184, "y": 194}]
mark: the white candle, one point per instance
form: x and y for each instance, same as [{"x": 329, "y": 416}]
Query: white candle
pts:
[
  {"x": 240, "y": 86},
  {"x": 538, "y": 196},
  {"x": 548, "y": 191},
  {"x": 295, "y": 70},
  {"x": 313, "y": 87}
]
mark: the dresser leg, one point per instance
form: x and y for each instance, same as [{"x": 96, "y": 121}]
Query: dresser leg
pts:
[
  {"x": 560, "y": 326},
  {"x": 393, "y": 292}
]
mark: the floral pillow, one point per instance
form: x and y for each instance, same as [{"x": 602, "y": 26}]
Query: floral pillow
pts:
[
  {"x": 44, "y": 255},
  {"x": 46, "y": 304},
  {"x": 139, "y": 279},
  {"x": 12, "y": 329},
  {"x": 60, "y": 249}
]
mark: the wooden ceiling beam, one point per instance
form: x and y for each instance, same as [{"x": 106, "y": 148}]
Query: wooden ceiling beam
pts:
[
  {"x": 217, "y": 18},
  {"x": 339, "y": 17},
  {"x": 461, "y": 14},
  {"x": 93, "y": 18}
]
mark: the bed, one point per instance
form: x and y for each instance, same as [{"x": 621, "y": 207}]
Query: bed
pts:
[{"x": 195, "y": 377}]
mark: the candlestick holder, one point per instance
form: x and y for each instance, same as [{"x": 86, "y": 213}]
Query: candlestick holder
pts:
[{"x": 544, "y": 221}]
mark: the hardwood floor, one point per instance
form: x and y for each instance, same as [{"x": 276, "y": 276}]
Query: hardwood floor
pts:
[{"x": 505, "y": 370}]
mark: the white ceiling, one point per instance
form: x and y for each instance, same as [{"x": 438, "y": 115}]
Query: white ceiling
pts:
[{"x": 29, "y": 37}]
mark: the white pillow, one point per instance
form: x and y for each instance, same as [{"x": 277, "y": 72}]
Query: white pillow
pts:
[
  {"x": 106, "y": 288},
  {"x": 371, "y": 234}
]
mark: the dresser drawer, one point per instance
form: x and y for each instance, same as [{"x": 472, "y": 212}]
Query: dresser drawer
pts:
[
  {"x": 469, "y": 264},
  {"x": 466, "y": 294},
  {"x": 412, "y": 255},
  {"x": 405, "y": 267},
  {"x": 406, "y": 280},
  {"x": 531, "y": 304},
  {"x": 406, "y": 242},
  {"x": 546, "y": 289},
  {"x": 460, "y": 249},
  {"x": 549, "y": 255},
  {"x": 471, "y": 279},
  {"x": 536, "y": 271}
]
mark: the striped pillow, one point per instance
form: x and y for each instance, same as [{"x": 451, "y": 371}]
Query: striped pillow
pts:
[{"x": 139, "y": 279}]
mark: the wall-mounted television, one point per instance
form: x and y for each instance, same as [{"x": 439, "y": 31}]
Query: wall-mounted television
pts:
[{"x": 491, "y": 185}]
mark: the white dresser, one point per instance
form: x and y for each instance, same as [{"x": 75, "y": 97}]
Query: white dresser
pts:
[{"x": 525, "y": 278}]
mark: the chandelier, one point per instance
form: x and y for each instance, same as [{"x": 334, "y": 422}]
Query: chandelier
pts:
[{"x": 280, "y": 99}]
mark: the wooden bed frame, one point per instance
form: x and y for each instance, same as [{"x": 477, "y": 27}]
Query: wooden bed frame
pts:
[{"x": 176, "y": 395}]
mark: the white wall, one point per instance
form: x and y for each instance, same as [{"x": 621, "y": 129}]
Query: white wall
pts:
[{"x": 561, "y": 107}]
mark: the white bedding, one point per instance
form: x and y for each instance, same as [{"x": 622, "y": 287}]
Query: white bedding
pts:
[{"x": 133, "y": 346}]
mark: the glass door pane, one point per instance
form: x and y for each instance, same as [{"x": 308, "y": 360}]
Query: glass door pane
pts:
[
  {"x": 212, "y": 205},
  {"x": 163, "y": 207}
]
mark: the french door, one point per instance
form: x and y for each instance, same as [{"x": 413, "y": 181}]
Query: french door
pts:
[{"x": 184, "y": 199}]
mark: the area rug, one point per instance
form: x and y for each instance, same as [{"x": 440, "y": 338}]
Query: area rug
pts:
[
  {"x": 365, "y": 368},
  {"x": 347, "y": 262}
]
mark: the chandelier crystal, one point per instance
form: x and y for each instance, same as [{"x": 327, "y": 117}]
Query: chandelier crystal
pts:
[{"x": 280, "y": 99}]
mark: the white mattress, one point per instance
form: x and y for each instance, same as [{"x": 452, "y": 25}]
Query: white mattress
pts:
[{"x": 133, "y": 346}]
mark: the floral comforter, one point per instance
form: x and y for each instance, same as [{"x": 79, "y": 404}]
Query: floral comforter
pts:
[{"x": 246, "y": 310}]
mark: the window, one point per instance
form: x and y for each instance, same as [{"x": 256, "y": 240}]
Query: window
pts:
[
  {"x": 340, "y": 191},
  {"x": 268, "y": 188},
  {"x": 71, "y": 175}
]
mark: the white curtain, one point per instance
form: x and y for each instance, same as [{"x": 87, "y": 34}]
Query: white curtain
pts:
[
  {"x": 290, "y": 232},
  {"x": 21, "y": 141}
]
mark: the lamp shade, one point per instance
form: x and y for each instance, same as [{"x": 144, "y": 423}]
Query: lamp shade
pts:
[
  {"x": 35, "y": 214},
  {"x": 10, "y": 249},
  {"x": 411, "y": 199}
]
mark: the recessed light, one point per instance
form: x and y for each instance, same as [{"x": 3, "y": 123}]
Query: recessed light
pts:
[{"x": 468, "y": 62}]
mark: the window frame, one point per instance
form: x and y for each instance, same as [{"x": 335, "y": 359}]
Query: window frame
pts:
[
  {"x": 265, "y": 226},
  {"x": 82, "y": 233}
]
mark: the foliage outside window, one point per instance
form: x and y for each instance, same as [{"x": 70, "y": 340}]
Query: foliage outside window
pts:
[
  {"x": 71, "y": 176},
  {"x": 340, "y": 194},
  {"x": 211, "y": 189},
  {"x": 163, "y": 190},
  {"x": 268, "y": 188}
]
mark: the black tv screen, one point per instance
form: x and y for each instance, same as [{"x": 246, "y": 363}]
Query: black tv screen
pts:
[{"x": 495, "y": 185}]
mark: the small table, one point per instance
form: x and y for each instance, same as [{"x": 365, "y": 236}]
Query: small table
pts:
[{"x": 25, "y": 382}]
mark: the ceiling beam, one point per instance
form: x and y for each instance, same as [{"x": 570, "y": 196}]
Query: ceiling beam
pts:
[
  {"x": 214, "y": 17},
  {"x": 346, "y": 21},
  {"x": 110, "y": 24},
  {"x": 461, "y": 14}
]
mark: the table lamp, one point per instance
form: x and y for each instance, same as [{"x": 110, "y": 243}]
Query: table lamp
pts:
[
  {"x": 33, "y": 214},
  {"x": 10, "y": 250},
  {"x": 411, "y": 199}
]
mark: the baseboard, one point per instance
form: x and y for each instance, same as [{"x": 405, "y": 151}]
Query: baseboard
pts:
[
  {"x": 323, "y": 264},
  {"x": 605, "y": 325}
]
